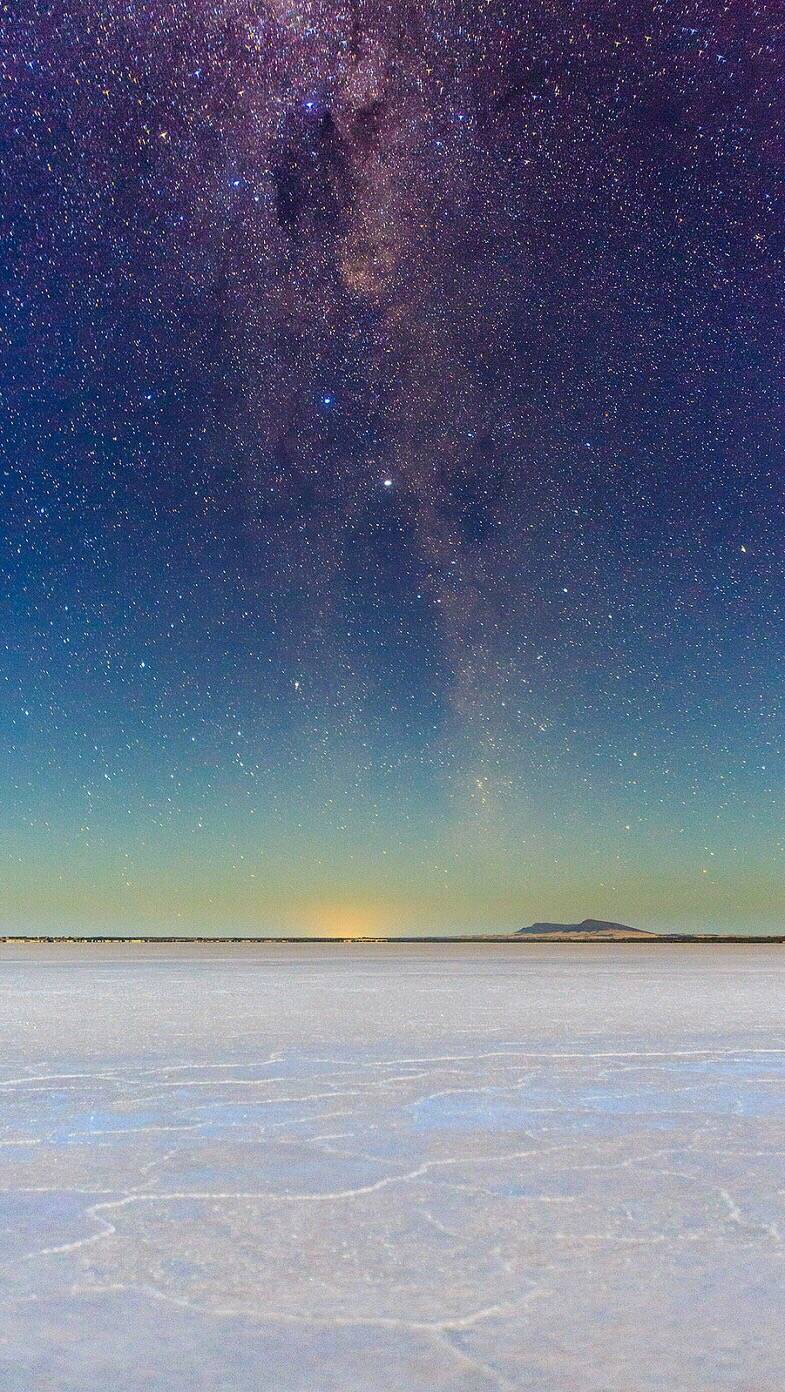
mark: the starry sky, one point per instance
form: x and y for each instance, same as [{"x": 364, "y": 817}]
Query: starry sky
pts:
[{"x": 391, "y": 463}]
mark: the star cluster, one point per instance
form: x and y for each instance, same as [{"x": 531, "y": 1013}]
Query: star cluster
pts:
[{"x": 391, "y": 463}]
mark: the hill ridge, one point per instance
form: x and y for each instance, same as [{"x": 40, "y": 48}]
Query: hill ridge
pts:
[{"x": 588, "y": 927}]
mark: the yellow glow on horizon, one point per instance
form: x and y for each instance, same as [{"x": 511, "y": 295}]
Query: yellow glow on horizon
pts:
[{"x": 346, "y": 920}]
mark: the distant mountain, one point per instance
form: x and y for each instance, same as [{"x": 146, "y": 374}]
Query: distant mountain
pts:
[{"x": 588, "y": 928}]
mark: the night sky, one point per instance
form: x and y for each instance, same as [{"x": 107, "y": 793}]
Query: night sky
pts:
[{"x": 392, "y": 466}]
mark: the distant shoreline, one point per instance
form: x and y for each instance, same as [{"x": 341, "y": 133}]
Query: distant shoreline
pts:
[{"x": 655, "y": 939}]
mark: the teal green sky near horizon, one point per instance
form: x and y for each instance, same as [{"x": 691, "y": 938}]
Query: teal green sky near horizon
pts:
[{"x": 391, "y": 467}]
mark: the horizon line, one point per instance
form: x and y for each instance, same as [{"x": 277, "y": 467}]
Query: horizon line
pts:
[{"x": 515, "y": 937}]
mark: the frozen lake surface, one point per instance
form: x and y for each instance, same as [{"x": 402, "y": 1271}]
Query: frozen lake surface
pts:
[{"x": 391, "y": 1169}]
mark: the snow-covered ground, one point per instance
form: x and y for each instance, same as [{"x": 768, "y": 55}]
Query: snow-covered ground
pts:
[{"x": 376, "y": 1168}]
